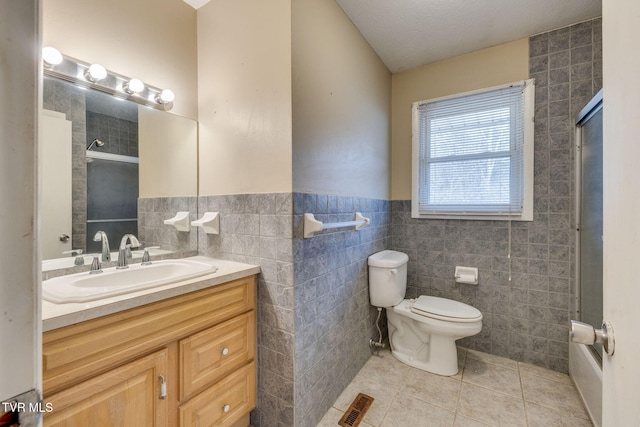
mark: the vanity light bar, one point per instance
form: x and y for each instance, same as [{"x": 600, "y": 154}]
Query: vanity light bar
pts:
[{"x": 92, "y": 76}]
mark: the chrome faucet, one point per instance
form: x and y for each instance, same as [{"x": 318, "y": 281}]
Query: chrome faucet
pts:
[
  {"x": 125, "y": 249},
  {"x": 106, "y": 251}
]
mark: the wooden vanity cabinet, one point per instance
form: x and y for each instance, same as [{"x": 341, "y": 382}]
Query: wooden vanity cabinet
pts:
[{"x": 185, "y": 361}]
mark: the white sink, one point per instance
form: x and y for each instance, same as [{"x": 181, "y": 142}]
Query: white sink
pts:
[{"x": 83, "y": 287}]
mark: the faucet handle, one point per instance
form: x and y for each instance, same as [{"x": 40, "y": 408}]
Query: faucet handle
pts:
[
  {"x": 96, "y": 267},
  {"x": 146, "y": 257},
  {"x": 78, "y": 254}
]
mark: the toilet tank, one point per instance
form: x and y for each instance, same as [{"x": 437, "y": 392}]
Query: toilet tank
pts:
[{"x": 387, "y": 278}]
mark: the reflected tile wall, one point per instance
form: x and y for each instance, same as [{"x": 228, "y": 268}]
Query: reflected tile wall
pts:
[
  {"x": 119, "y": 135},
  {"x": 527, "y": 318}
]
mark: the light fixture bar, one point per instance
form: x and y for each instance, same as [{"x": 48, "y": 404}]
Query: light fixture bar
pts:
[{"x": 75, "y": 71}]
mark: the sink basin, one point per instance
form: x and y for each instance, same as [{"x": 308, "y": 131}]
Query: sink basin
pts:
[{"x": 84, "y": 287}]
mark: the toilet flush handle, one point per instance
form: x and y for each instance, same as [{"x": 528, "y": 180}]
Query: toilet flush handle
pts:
[{"x": 394, "y": 271}]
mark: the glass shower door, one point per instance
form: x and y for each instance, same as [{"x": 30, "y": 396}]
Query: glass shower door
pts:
[{"x": 590, "y": 219}]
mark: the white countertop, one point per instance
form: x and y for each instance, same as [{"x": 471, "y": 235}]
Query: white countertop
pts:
[{"x": 56, "y": 316}]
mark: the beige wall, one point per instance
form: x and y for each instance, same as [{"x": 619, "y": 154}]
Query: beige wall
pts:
[
  {"x": 153, "y": 40},
  {"x": 244, "y": 69},
  {"x": 168, "y": 150},
  {"x": 485, "y": 68},
  {"x": 341, "y": 105}
]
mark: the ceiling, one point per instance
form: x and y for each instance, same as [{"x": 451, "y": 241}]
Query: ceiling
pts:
[{"x": 409, "y": 33}]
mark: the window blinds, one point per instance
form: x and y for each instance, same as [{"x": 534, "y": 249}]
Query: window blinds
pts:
[{"x": 472, "y": 153}]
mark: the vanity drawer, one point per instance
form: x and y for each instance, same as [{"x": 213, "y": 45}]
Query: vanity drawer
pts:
[
  {"x": 224, "y": 403},
  {"x": 208, "y": 356},
  {"x": 77, "y": 352}
]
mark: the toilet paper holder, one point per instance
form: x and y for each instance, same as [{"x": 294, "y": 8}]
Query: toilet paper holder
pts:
[{"x": 467, "y": 275}]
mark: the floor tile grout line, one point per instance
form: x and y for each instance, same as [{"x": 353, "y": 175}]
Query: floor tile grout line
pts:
[
  {"x": 495, "y": 391},
  {"x": 524, "y": 403},
  {"x": 571, "y": 414},
  {"x": 464, "y": 365}
]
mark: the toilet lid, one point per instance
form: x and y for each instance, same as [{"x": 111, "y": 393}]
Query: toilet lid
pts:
[{"x": 444, "y": 308}]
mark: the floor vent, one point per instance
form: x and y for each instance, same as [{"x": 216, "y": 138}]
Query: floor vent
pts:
[{"x": 356, "y": 411}]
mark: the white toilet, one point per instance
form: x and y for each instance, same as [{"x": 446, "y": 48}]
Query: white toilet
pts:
[{"x": 422, "y": 332}]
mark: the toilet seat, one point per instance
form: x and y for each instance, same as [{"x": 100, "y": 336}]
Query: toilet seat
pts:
[{"x": 445, "y": 309}]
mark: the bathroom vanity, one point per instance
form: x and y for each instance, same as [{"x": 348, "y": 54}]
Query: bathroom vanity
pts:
[{"x": 183, "y": 354}]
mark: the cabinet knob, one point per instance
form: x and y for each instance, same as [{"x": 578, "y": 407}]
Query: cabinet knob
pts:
[
  {"x": 226, "y": 408},
  {"x": 224, "y": 351}
]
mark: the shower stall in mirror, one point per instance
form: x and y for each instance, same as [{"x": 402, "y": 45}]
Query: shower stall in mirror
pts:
[
  {"x": 112, "y": 170},
  {"x": 585, "y": 362}
]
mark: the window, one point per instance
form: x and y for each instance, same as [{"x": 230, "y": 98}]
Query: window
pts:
[{"x": 473, "y": 155}]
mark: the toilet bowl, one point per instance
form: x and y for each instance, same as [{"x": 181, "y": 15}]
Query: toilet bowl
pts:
[{"x": 422, "y": 331}]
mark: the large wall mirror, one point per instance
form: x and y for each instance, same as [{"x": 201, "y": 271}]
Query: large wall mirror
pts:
[{"x": 115, "y": 166}]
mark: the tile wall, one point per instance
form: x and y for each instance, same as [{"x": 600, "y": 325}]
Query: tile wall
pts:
[
  {"x": 152, "y": 231},
  {"x": 525, "y": 319},
  {"x": 333, "y": 318},
  {"x": 314, "y": 318},
  {"x": 119, "y": 135},
  {"x": 258, "y": 229}
]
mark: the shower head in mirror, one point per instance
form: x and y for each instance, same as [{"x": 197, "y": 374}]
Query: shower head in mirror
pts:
[{"x": 95, "y": 142}]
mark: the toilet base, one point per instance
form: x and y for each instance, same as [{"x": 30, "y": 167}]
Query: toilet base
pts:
[{"x": 440, "y": 356}]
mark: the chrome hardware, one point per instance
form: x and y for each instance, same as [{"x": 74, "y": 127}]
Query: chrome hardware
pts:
[
  {"x": 122, "y": 259},
  {"x": 163, "y": 387},
  {"x": 146, "y": 258},
  {"x": 64, "y": 237},
  {"x": 583, "y": 333},
  {"x": 224, "y": 351},
  {"x": 125, "y": 250},
  {"x": 73, "y": 252},
  {"x": 96, "y": 267},
  {"x": 226, "y": 408},
  {"x": 76, "y": 252},
  {"x": 106, "y": 251}
]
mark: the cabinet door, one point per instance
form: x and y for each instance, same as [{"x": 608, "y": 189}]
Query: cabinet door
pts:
[
  {"x": 224, "y": 403},
  {"x": 208, "y": 356},
  {"x": 130, "y": 395}
]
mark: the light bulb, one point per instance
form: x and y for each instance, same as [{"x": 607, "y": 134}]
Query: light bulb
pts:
[
  {"x": 51, "y": 56},
  {"x": 166, "y": 96},
  {"x": 133, "y": 86},
  {"x": 95, "y": 72}
]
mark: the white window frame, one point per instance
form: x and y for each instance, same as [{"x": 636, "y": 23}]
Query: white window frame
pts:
[{"x": 528, "y": 128}]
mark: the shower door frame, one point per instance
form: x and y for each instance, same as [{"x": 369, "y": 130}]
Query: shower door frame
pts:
[{"x": 585, "y": 364}]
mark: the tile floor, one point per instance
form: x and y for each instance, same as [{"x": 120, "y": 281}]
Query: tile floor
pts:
[{"x": 487, "y": 391}]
